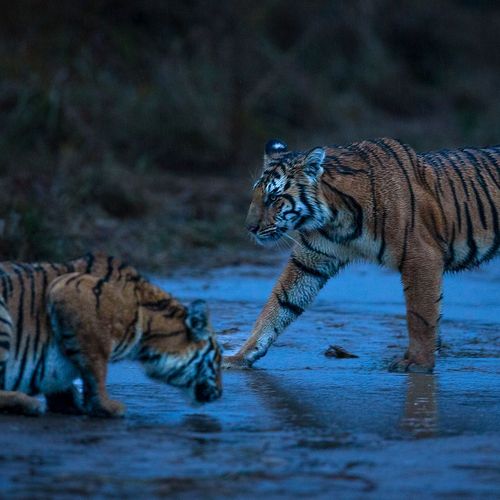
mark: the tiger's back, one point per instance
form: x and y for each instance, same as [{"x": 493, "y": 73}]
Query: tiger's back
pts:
[{"x": 398, "y": 199}]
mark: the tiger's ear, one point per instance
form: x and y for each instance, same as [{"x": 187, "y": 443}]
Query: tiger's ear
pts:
[
  {"x": 313, "y": 164},
  {"x": 197, "y": 320},
  {"x": 275, "y": 146}
]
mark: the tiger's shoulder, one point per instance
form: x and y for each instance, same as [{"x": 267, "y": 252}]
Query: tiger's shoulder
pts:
[{"x": 101, "y": 284}]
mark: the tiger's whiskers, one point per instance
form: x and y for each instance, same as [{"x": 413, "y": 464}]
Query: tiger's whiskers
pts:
[{"x": 293, "y": 239}]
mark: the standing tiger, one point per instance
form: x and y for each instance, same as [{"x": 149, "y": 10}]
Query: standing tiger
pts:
[
  {"x": 59, "y": 322},
  {"x": 422, "y": 214}
]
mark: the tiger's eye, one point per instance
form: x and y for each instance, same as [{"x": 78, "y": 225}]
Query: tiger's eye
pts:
[{"x": 272, "y": 198}]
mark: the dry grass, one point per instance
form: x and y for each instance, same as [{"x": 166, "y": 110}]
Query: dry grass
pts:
[
  {"x": 131, "y": 127},
  {"x": 157, "y": 220}
]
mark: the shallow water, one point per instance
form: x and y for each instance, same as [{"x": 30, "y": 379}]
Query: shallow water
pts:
[{"x": 299, "y": 424}]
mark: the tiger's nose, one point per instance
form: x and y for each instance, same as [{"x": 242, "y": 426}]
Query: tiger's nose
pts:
[
  {"x": 204, "y": 393},
  {"x": 252, "y": 228}
]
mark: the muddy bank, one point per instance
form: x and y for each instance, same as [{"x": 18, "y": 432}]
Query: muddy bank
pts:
[{"x": 299, "y": 424}]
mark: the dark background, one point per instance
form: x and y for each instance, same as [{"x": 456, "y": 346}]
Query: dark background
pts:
[{"x": 137, "y": 127}]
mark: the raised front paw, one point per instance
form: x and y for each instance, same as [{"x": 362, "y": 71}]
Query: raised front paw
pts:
[
  {"x": 106, "y": 409},
  {"x": 236, "y": 362},
  {"x": 407, "y": 365}
]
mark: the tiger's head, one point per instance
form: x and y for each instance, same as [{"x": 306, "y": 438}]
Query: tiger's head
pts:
[
  {"x": 178, "y": 345},
  {"x": 285, "y": 197}
]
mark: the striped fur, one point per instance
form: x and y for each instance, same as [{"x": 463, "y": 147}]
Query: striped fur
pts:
[
  {"x": 421, "y": 214},
  {"x": 59, "y": 322}
]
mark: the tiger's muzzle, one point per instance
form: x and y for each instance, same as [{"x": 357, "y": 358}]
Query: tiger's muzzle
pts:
[{"x": 205, "y": 393}]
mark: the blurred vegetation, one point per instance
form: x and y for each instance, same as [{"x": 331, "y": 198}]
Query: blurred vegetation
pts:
[{"x": 136, "y": 127}]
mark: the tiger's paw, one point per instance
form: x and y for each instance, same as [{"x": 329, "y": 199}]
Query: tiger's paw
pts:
[
  {"x": 19, "y": 403},
  {"x": 407, "y": 365},
  {"x": 236, "y": 363},
  {"x": 31, "y": 407},
  {"x": 106, "y": 409}
]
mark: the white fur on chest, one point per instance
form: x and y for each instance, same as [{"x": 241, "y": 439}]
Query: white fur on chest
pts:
[{"x": 59, "y": 371}]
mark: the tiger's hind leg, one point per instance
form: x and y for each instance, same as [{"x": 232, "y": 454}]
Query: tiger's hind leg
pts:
[
  {"x": 6, "y": 336},
  {"x": 67, "y": 402},
  {"x": 20, "y": 403},
  {"x": 422, "y": 278},
  {"x": 12, "y": 401}
]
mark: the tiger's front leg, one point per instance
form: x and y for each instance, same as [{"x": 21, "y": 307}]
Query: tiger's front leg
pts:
[
  {"x": 296, "y": 288},
  {"x": 422, "y": 278},
  {"x": 85, "y": 339},
  {"x": 96, "y": 399},
  {"x": 89, "y": 351}
]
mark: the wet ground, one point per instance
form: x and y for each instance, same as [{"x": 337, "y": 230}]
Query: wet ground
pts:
[{"x": 299, "y": 424}]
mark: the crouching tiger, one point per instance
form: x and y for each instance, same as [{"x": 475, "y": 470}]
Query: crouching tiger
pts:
[
  {"x": 422, "y": 214},
  {"x": 60, "y": 322}
]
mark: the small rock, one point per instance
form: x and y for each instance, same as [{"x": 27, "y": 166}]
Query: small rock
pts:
[
  {"x": 334, "y": 324},
  {"x": 228, "y": 331},
  {"x": 335, "y": 351}
]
